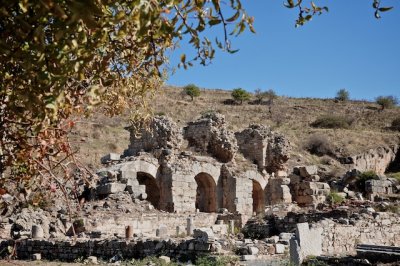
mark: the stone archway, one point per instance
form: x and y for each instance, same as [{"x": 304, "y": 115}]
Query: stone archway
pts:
[
  {"x": 206, "y": 193},
  {"x": 152, "y": 188},
  {"x": 258, "y": 198}
]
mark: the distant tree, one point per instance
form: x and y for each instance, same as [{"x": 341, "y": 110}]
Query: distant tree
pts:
[
  {"x": 342, "y": 95},
  {"x": 258, "y": 93},
  {"x": 240, "y": 95},
  {"x": 192, "y": 91},
  {"x": 387, "y": 102},
  {"x": 270, "y": 95}
]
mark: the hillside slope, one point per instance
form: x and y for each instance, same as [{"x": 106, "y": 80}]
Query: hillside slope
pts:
[{"x": 99, "y": 135}]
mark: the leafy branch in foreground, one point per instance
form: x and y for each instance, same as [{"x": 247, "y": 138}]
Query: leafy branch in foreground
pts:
[{"x": 61, "y": 59}]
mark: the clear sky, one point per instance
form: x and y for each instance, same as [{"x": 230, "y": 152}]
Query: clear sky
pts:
[{"x": 345, "y": 48}]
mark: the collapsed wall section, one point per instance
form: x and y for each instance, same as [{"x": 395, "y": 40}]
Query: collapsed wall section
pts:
[
  {"x": 162, "y": 133},
  {"x": 268, "y": 149},
  {"x": 209, "y": 134}
]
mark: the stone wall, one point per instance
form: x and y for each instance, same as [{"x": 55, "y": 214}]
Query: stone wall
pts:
[
  {"x": 340, "y": 238},
  {"x": 161, "y": 133},
  {"x": 377, "y": 160},
  {"x": 148, "y": 223},
  {"x": 265, "y": 148},
  {"x": 69, "y": 250},
  {"x": 209, "y": 134}
]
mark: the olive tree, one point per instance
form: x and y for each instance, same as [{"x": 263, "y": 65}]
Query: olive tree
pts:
[
  {"x": 240, "y": 95},
  {"x": 192, "y": 91},
  {"x": 387, "y": 102}
]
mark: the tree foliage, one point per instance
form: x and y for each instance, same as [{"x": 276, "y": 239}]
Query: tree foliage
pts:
[
  {"x": 387, "y": 102},
  {"x": 240, "y": 95},
  {"x": 192, "y": 91},
  {"x": 342, "y": 95},
  {"x": 59, "y": 59}
]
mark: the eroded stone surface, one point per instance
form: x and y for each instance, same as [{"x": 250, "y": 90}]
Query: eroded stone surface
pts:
[
  {"x": 266, "y": 148},
  {"x": 209, "y": 134}
]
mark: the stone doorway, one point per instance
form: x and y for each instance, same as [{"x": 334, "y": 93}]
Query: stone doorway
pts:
[
  {"x": 258, "y": 198},
  {"x": 206, "y": 196},
  {"x": 152, "y": 189}
]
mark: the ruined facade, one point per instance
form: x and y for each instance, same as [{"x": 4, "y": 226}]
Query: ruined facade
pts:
[
  {"x": 157, "y": 168},
  {"x": 265, "y": 148}
]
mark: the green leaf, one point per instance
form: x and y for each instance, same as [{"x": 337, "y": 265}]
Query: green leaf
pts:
[
  {"x": 214, "y": 22},
  {"x": 234, "y": 17},
  {"x": 384, "y": 9}
]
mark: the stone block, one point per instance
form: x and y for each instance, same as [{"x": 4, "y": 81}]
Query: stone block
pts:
[
  {"x": 162, "y": 231},
  {"x": 165, "y": 259},
  {"x": 204, "y": 234},
  {"x": 252, "y": 250},
  {"x": 279, "y": 248},
  {"x": 248, "y": 257},
  {"x": 110, "y": 157},
  {"x": 92, "y": 260},
  {"x": 36, "y": 256},
  {"x": 110, "y": 188},
  {"x": 308, "y": 171},
  {"x": 272, "y": 240}
]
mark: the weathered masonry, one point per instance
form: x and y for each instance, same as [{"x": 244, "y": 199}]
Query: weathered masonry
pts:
[{"x": 158, "y": 167}]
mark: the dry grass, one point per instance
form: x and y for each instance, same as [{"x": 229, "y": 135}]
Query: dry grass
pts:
[{"x": 290, "y": 116}]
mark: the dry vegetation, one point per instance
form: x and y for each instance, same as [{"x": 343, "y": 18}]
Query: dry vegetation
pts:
[{"x": 370, "y": 126}]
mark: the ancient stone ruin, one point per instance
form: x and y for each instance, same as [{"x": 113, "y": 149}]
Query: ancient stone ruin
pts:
[{"x": 203, "y": 189}]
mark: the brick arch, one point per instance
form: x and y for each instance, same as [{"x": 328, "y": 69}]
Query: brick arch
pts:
[{"x": 206, "y": 193}]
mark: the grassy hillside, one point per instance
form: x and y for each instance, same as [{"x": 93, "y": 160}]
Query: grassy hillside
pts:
[{"x": 291, "y": 116}]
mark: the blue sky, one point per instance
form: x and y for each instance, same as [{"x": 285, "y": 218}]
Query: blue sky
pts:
[{"x": 345, "y": 48}]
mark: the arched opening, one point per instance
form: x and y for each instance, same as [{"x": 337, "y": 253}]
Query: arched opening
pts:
[
  {"x": 206, "y": 196},
  {"x": 258, "y": 198},
  {"x": 152, "y": 189}
]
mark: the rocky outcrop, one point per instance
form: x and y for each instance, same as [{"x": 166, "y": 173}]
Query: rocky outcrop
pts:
[
  {"x": 210, "y": 134},
  {"x": 377, "y": 160},
  {"x": 266, "y": 148},
  {"x": 163, "y": 133}
]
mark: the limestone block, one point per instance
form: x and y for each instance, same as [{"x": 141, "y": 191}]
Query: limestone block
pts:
[
  {"x": 279, "y": 248},
  {"x": 162, "y": 231},
  {"x": 110, "y": 188},
  {"x": 92, "y": 260},
  {"x": 165, "y": 259},
  {"x": 248, "y": 257},
  {"x": 36, "y": 256},
  {"x": 308, "y": 171},
  {"x": 204, "y": 234},
  {"x": 253, "y": 250},
  {"x": 272, "y": 239},
  {"x": 110, "y": 157}
]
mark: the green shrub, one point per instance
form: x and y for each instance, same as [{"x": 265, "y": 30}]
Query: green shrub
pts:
[
  {"x": 395, "y": 175},
  {"x": 240, "y": 95},
  {"x": 332, "y": 121},
  {"x": 365, "y": 176},
  {"x": 318, "y": 145},
  {"x": 387, "y": 102},
  {"x": 396, "y": 124},
  {"x": 342, "y": 95},
  {"x": 335, "y": 198},
  {"x": 192, "y": 91}
]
